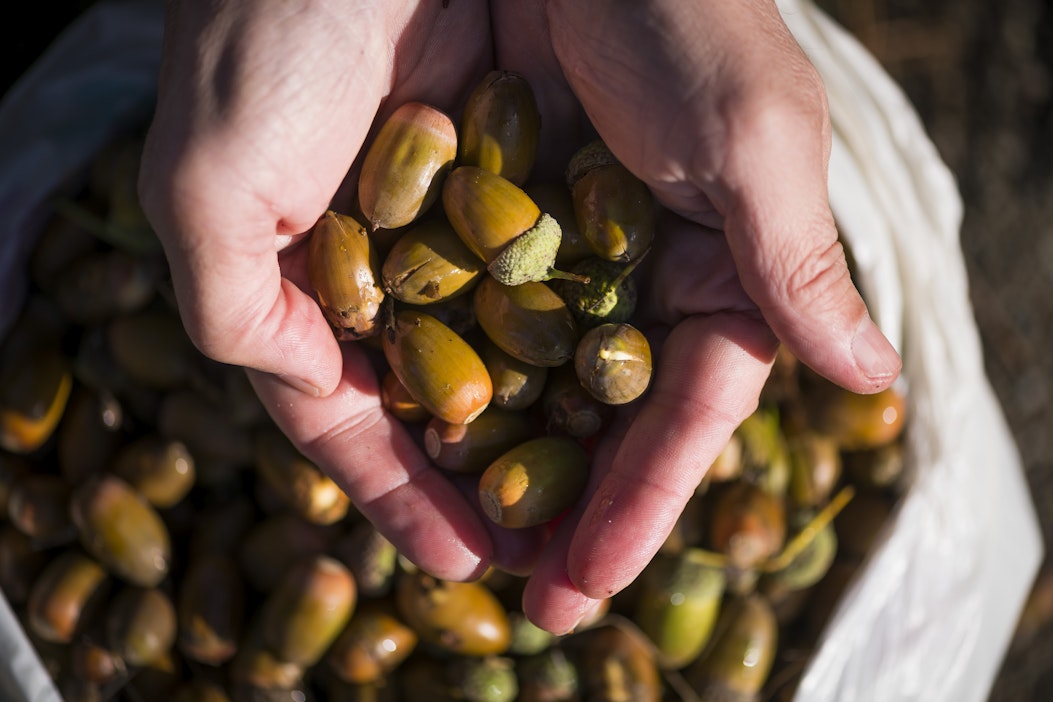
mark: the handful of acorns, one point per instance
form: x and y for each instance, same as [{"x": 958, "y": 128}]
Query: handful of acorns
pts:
[
  {"x": 161, "y": 539},
  {"x": 481, "y": 332}
]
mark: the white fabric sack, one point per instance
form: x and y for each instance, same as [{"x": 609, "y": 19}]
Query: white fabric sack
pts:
[{"x": 930, "y": 615}]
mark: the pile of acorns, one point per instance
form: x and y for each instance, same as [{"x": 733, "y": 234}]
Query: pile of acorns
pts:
[
  {"x": 161, "y": 539},
  {"x": 512, "y": 359}
]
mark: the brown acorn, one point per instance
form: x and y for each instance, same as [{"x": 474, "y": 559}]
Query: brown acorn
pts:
[
  {"x": 742, "y": 652},
  {"x": 615, "y": 209},
  {"x": 747, "y": 524},
  {"x": 502, "y": 225},
  {"x": 500, "y": 126},
  {"x": 613, "y": 362},
  {"x": 429, "y": 263},
  {"x": 571, "y": 409},
  {"x": 141, "y": 625},
  {"x": 462, "y": 618},
  {"x": 527, "y": 321},
  {"x": 397, "y": 400},
  {"x": 210, "y": 609},
  {"x": 161, "y": 469},
  {"x": 534, "y": 482},
  {"x": 298, "y": 482},
  {"x": 517, "y": 384},
  {"x": 437, "y": 367},
  {"x": 470, "y": 448},
  {"x": 64, "y": 597},
  {"x": 374, "y": 643},
  {"x": 120, "y": 528},
  {"x": 344, "y": 271},
  {"x": 33, "y": 397},
  {"x": 404, "y": 168},
  {"x": 855, "y": 421}
]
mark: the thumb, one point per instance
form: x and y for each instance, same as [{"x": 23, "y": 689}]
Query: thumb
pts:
[
  {"x": 784, "y": 240},
  {"x": 235, "y": 303}
]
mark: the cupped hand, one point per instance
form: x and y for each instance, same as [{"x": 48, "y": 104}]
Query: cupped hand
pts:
[
  {"x": 262, "y": 108},
  {"x": 716, "y": 108}
]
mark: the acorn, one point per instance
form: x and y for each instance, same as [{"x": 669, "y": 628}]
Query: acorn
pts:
[
  {"x": 308, "y": 609},
  {"x": 65, "y": 596},
  {"x": 438, "y": 368},
  {"x": 527, "y": 321},
  {"x": 517, "y": 384},
  {"x": 618, "y": 663},
  {"x": 613, "y": 362},
  {"x": 140, "y": 625},
  {"x": 299, "y": 483},
  {"x": 747, "y": 524},
  {"x": 374, "y": 643},
  {"x": 33, "y": 396},
  {"x": 161, "y": 469},
  {"x": 405, "y": 166},
  {"x": 810, "y": 564},
  {"x": 765, "y": 455},
  {"x": 470, "y": 448},
  {"x": 609, "y": 296},
  {"x": 500, "y": 126},
  {"x": 677, "y": 605},
  {"x": 615, "y": 210},
  {"x": 210, "y": 609},
  {"x": 571, "y": 409},
  {"x": 462, "y": 618},
  {"x": 122, "y": 530},
  {"x": 742, "y": 652},
  {"x": 344, "y": 273},
  {"x": 534, "y": 482},
  {"x": 554, "y": 198},
  {"x": 397, "y": 400},
  {"x": 855, "y": 421},
  {"x": 370, "y": 557},
  {"x": 429, "y": 263},
  {"x": 152, "y": 348},
  {"x": 38, "y": 506},
  {"x": 815, "y": 468},
  {"x": 503, "y": 226}
]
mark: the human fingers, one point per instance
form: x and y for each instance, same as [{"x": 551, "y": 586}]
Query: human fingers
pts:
[
  {"x": 716, "y": 107},
  {"x": 373, "y": 459}
]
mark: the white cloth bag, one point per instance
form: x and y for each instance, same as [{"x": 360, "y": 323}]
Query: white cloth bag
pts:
[{"x": 930, "y": 615}]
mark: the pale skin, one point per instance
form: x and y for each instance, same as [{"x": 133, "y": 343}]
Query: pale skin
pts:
[{"x": 266, "y": 106}]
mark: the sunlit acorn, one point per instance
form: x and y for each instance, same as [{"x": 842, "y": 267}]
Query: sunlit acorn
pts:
[
  {"x": 809, "y": 565},
  {"x": 66, "y": 595},
  {"x": 257, "y": 672},
  {"x": 122, "y": 530},
  {"x": 677, "y": 605},
  {"x": 210, "y": 609},
  {"x": 765, "y": 455},
  {"x": 534, "y": 482},
  {"x": 465, "y": 618},
  {"x": 854, "y": 420},
  {"x": 517, "y": 384},
  {"x": 528, "y": 321},
  {"x": 429, "y": 263},
  {"x": 815, "y": 467},
  {"x": 470, "y": 448},
  {"x": 298, "y": 481},
  {"x": 609, "y": 296},
  {"x": 500, "y": 126},
  {"x": 741, "y": 655},
  {"x": 344, "y": 272},
  {"x": 613, "y": 362},
  {"x": 140, "y": 624},
  {"x": 405, "y": 166},
  {"x": 618, "y": 663},
  {"x": 161, "y": 469},
  {"x": 308, "y": 609},
  {"x": 373, "y": 644},
  {"x": 438, "y": 368},
  {"x": 747, "y": 524},
  {"x": 502, "y": 225},
  {"x": 615, "y": 210}
]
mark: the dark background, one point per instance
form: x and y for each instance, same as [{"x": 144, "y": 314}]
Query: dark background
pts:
[{"x": 979, "y": 74}]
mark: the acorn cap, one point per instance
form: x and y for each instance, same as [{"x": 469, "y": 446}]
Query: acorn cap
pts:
[
  {"x": 530, "y": 256},
  {"x": 593, "y": 155}
]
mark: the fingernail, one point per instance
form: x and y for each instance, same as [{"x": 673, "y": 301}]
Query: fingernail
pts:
[
  {"x": 300, "y": 385},
  {"x": 873, "y": 352}
]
